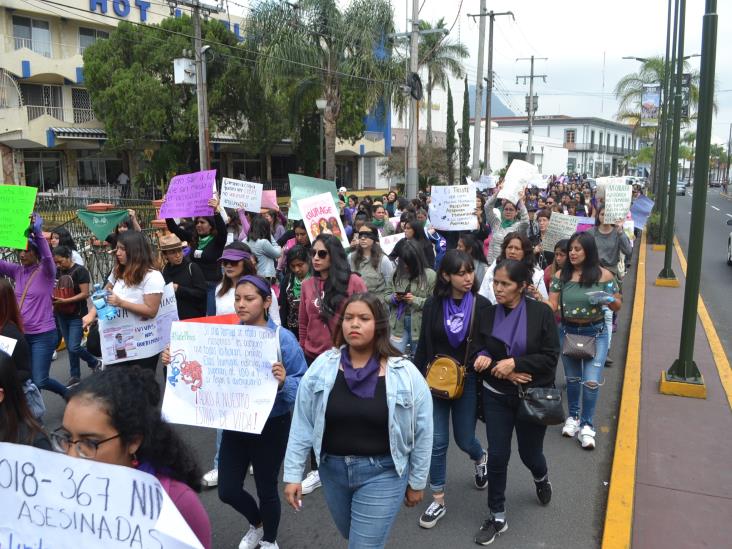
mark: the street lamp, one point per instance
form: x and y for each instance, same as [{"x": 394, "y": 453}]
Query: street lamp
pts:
[{"x": 321, "y": 104}]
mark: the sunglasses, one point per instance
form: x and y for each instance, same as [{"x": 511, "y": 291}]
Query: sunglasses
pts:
[
  {"x": 322, "y": 254},
  {"x": 367, "y": 234}
]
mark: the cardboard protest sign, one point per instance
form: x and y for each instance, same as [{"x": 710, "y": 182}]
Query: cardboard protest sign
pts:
[
  {"x": 321, "y": 216},
  {"x": 188, "y": 195},
  {"x": 453, "y": 208},
  {"x": 617, "y": 201},
  {"x": 387, "y": 243},
  {"x": 7, "y": 344},
  {"x": 128, "y": 336},
  {"x": 102, "y": 224},
  {"x": 560, "y": 227},
  {"x": 269, "y": 200},
  {"x": 640, "y": 210},
  {"x": 584, "y": 223},
  {"x": 16, "y": 207},
  {"x": 516, "y": 179},
  {"x": 54, "y": 500},
  {"x": 302, "y": 186},
  {"x": 220, "y": 376},
  {"x": 241, "y": 195}
]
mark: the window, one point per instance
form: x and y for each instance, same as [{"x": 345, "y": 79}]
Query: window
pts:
[
  {"x": 82, "y": 105},
  {"x": 95, "y": 169},
  {"x": 592, "y": 137},
  {"x": 615, "y": 141},
  {"x": 42, "y": 99},
  {"x": 570, "y": 136},
  {"x": 608, "y": 141},
  {"x": 87, "y": 37},
  {"x": 32, "y": 34},
  {"x": 600, "y": 141},
  {"x": 622, "y": 143}
]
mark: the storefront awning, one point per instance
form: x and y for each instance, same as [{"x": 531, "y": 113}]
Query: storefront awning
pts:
[{"x": 79, "y": 133}]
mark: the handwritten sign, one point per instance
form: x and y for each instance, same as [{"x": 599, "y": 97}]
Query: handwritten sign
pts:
[
  {"x": 322, "y": 217},
  {"x": 128, "y": 336},
  {"x": 641, "y": 210},
  {"x": 7, "y": 345},
  {"x": 53, "y": 500},
  {"x": 220, "y": 376},
  {"x": 517, "y": 178},
  {"x": 617, "y": 201},
  {"x": 269, "y": 200},
  {"x": 388, "y": 243},
  {"x": 453, "y": 208},
  {"x": 302, "y": 186},
  {"x": 560, "y": 227},
  {"x": 486, "y": 182},
  {"x": 16, "y": 207},
  {"x": 539, "y": 181},
  {"x": 241, "y": 195},
  {"x": 188, "y": 195}
]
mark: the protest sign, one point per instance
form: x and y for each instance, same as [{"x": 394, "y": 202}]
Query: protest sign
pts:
[
  {"x": 584, "y": 223},
  {"x": 102, "y": 224},
  {"x": 241, "y": 195},
  {"x": 395, "y": 221},
  {"x": 617, "y": 201},
  {"x": 16, "y": 207},
  {"x": 302, "y": 186},
  {"x": 539, "y": 181},
  {"x": 486, "y": 182},
  {"x": 640, "y": 210},
  {"x": 7, "y": 345},
  {"x": 127, "y": 336},
  {"x": 387, "y": 243},
  {"x": 453, "y": 208},
  {"x": 269, "y": 200},
  {"x": 220, "y": 376},
  {"x": 321, "y": 216},
  {"x": 54, "y": 500},
  {"x": 560, "y": 227},
  {"x": 516, "y": 179},
  {"x": 188, "y": 195}
]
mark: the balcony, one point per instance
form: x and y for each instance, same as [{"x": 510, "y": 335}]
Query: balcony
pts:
[
  {"x": 28, "y": 126},
  {"x": 42, "y": 47},
  {"x": 77, "y": 116},
  {"x": 27, "y": 58}
]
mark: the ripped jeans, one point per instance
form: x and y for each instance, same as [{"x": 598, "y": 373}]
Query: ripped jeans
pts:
[{"x": 584, "y": 378}]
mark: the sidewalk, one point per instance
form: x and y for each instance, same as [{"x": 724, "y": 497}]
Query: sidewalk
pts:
[{"x": 671, "y": 484}]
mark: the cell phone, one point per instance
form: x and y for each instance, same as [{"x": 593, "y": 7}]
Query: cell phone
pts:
[{"x": 401, "y": 293}]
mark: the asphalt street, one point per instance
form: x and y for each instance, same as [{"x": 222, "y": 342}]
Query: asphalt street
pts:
[
  {"x": 573, "y": 520},
  {"x": 716, "y": 275}
]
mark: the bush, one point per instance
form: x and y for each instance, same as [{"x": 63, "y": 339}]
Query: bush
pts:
[{"x": 653, "y": 228}]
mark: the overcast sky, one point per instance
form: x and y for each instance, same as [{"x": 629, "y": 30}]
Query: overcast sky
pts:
[{"x": 575, "y": 35}]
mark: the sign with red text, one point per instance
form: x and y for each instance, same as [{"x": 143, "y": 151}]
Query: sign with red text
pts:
[
  {"x": 220, "y": 376},
  {"x": 241, "y": 195},
  {"x": 321, "y": 216}
]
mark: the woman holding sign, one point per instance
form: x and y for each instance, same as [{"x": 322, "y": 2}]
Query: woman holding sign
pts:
[
  {"x": 371, "y": 263},
  {"x": 514, "y": 218}
]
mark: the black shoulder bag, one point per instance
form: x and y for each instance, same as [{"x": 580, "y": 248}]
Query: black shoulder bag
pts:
[{"x": 579, "y": 347}]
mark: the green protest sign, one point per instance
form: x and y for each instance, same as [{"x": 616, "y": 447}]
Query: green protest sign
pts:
[
  {"x": 16, "y": 207},
  {"x": 302, "y": 186},
  {"x": 102, "y": 223}
]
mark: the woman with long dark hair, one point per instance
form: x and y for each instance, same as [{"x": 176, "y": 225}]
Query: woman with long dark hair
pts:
[
  {"x": 11, "y": 326},
  {"x": 469, "y": 244},
  {"x": 367, "y": 412},
  {"x": 17, "y": 424},
  {"x": 446, "y": 321},
  {"x": 371, "y": 263},
  {"x": 514, "y": 218},
  {"x": 129, "y": 224},
  {"x": 579, "y": 292},
  {"x": 114, "y": 417},
  {"x": 298, "y": 270},
  {"x": 299, "y": 238},
  {"x": 61, "y": 236},
  {"x": 187, "y": 278}
]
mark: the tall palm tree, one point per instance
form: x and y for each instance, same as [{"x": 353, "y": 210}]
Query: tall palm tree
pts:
[
  {"x": 442, "y": 59},
  {"x": 321, "y": 46}
]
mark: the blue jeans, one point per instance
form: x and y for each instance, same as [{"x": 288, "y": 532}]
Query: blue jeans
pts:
[
  {"x": 211, "y": 298},
  {"x": 584, "y": 378},
  {"x": 364, "y": 495},
  {"x": 72, "y": 333},
  {"x": 608, "y": 325},
  {"x": 463, "y": 427},
  {"x": 406, "y": 340},
  {"x": 42, "y": 347},
  {"x": 219, "y": 434}
]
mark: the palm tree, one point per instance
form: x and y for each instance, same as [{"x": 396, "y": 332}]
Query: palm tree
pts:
[
  {"x": 323, "y": 49},
  {"x": 689, "y": 139},
  {"x": 442, "y": 59}
]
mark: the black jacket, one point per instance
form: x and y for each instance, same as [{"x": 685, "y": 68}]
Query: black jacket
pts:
[
  {"x": 542, "y": 348},
  {"x": 211, "y": 253},
  {"x": 191, "y": 293}
]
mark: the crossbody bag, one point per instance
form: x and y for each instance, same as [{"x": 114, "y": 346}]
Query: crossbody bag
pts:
[{"x": 577, "y": 346}]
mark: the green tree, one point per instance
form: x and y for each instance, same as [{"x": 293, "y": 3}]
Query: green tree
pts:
[
  {"x": 689, "y": 139},
  {"x": 450, "y": 139},
  {"x": 442, "y": 58},
  {"x": 433, "y": 167},
  {"x": 465, "y": 139}
]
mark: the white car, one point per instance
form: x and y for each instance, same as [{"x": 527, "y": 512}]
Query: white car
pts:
[{"x": 729, "y": 245}]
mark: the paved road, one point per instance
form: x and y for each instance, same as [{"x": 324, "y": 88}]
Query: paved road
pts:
[
  {"x": 573, "y": 520},
  {"x": 716, "y": 279}
]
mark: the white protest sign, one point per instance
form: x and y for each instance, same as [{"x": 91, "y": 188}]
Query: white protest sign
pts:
[
  {"x": 7, "y": 344},
  {"x": 560, "y": 227},
  {"x": 387, "y": 243},
  {"x": 539, "y": 181},
  {"x": 486, "y": 182},
  {"x": 127, "y": 336},
  {"x": 220, "y": 376},
  {"x": 395, "y": 221},
  {"x": 617, "y": 201},
  {"x": 320, "y": 215},
  {"x": 241, "y": 195},
  {"x": 453, "y": 208},
  {"x": 516, "y": 179},
  {"x": 51, "y": 500}
]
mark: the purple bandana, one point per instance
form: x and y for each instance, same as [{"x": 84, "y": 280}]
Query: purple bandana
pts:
[
  {"x": 361, "y": 381},
  {"x": 511, "y": 329},
  {"x": 457, "y": 318},
  {"x": 258, "y": 282}
]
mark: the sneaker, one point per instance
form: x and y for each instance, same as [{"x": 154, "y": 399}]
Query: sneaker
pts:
[
  {"x": 432, "y": 515},
  {"x": 490, "y": 529},
  {"x": 252, "y": 538},
  {"x": 544, "y": 491},
  {"x": 211, "y": 478},
  {"x": 608, "y": 362},
  {"x": 311, "y": 482},
  {"x": 269, "y": 544},
  {"x": 481, "y": 472},
  {"x": 251, "y": 469},
  {"x": 54, "y": 356},
  {"x": 571, "y": 426},
  {"x": 72, "y": 381},
  {"x": 587, "y": 437}
]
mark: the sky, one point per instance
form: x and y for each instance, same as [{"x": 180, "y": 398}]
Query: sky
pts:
[{"x": 584, "y": 41}]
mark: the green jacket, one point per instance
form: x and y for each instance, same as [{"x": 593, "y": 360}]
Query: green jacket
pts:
[
  {"x": 378, "y": 281},
  {"x": 415, "y": 308}
]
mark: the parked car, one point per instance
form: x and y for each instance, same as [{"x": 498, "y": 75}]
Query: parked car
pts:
[
  {"x": 729, "y": 245},
  {"x": 681, "y": 188},
  {"x": 715, "y": 183}
]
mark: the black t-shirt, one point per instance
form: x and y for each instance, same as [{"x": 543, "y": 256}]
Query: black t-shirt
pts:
[
  {"x": 21, "y": 352},
  {"x": 356, "y": 426},
  {"x": 80, "y": 275}
]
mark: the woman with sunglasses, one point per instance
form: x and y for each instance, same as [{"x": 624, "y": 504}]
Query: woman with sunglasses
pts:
[
  {"x": 371, "y": 263},
  {"x": 514, "y": 218},
  {"x": 114, "y": 417}
]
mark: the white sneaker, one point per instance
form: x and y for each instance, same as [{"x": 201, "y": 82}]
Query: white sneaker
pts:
[
  {"x": 571, "y": 426},
  {"x": 269, "y": 544},
  {"x": 54, "y": 356},
  {"x": 211, "y": 478},
  {"x": 252, "y": 538},
  {"x": 311, "y": 482},
  {"x": 587, "y": 437}
]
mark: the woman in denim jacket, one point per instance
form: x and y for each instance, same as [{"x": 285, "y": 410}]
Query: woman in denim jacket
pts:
[{"x": 368, "y": 414}]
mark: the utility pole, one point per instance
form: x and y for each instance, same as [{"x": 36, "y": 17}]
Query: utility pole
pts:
[
  {"x": 475, "y": 172},
  {"x": 729, "y": 146},
  {"x": 531, "y": 102},
  {"x": 413, "y": 140}
]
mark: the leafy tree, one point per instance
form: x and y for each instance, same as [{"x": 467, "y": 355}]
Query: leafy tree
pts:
[
  {"x": 433, "y": 166},
  {"x": 450, "y": 139},
  {"x": 465, "y": 143}
]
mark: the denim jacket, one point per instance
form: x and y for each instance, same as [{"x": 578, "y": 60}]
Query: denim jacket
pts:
[
  {"x": 295, "y": 366},
  {"x": 410, "y": 417}
]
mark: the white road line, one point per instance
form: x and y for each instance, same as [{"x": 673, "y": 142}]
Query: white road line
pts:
[
  {"x": 715, "y": 208},
  {"x": 728, "y": 215}
]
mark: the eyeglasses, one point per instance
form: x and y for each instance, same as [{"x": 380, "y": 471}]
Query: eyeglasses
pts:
[
  {"x": 366, "y": 234},
  {"x": 86, "y": 448},
  {"x": 322, "y": 254}
]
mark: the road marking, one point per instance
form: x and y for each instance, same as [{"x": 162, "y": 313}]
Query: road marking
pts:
[
  {"x": 728, "y": 215},
  {"x": 714, "y": 207}
]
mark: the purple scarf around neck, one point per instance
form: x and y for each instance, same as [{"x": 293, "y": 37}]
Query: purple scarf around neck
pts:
[
  {"x": 511, "y": 328},
  {"x": 457, "y": 318},
  {"x": 361, "y": 381}
]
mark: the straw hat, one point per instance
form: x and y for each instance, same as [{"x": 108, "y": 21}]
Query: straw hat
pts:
[{"x": 170, "y": 242}]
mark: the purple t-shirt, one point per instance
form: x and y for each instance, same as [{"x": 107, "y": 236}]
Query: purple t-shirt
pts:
[
  {"x": 190, "y": 507},
  {"x": 37, "y": 308}
]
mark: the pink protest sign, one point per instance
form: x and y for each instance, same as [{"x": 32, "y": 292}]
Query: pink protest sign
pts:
[
  {"x": 321, "y": 216},
  {"x": 269, "y": 200},
  {"x": 188, "y": 195}
]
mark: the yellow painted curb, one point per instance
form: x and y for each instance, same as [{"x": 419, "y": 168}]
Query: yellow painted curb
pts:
[
  {"x": 668, "y": 282},
  {"x": 659, "y": 247},
  {"x": 617, "y": 532},
  {"x": 682, "y": 388},
  {"x": 720, "y": 357}
]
